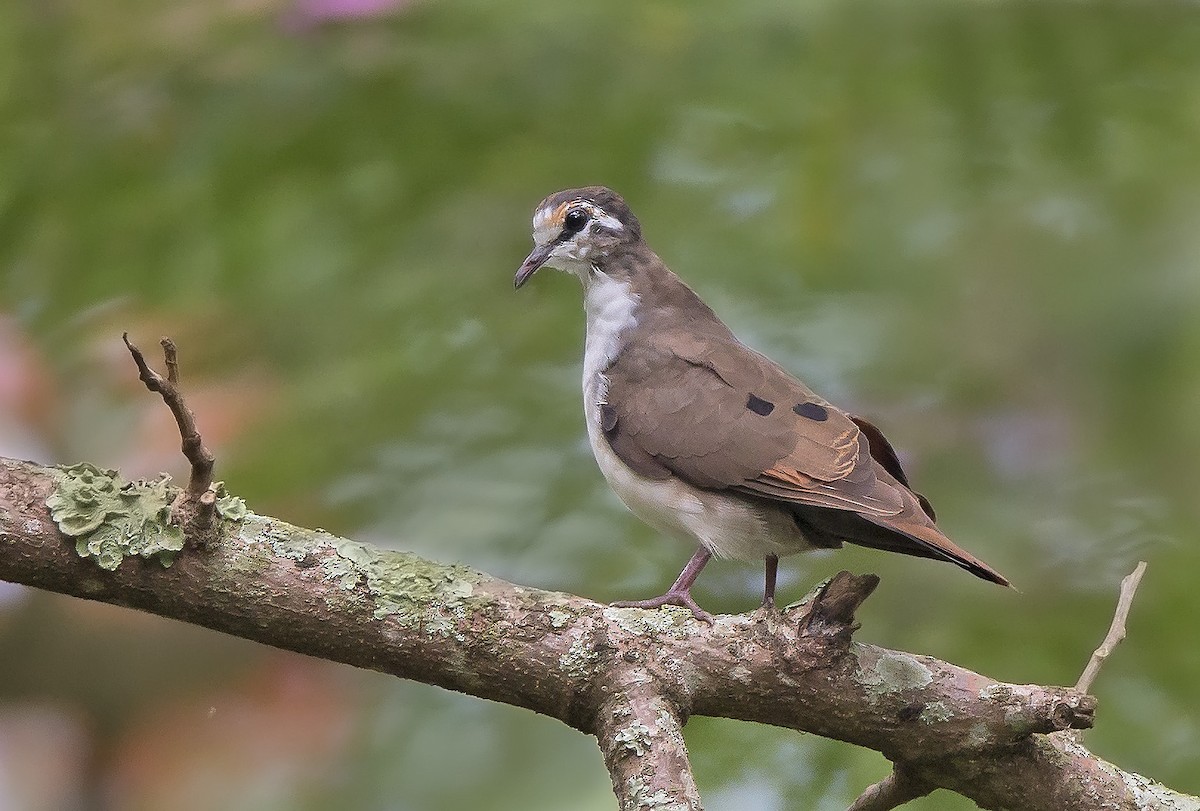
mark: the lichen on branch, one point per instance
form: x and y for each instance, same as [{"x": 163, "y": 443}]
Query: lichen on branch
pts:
[{"x": 111, "y": 518}]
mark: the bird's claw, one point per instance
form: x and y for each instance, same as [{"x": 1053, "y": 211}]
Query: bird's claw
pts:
[
  {"x": 683, "y": 599},
  {"x": 768, "y": 612}
]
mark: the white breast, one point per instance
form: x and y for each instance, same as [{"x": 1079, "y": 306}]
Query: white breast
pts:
[
  {"x": 610, "y": 306},
  {"x": 728, "y": 525}
]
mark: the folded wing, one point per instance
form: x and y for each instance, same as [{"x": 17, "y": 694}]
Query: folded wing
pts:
[{"x": 722, "y": 416}]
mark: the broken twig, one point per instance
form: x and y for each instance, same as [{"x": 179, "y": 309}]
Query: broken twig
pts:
[
  {"x": 1116, "y": 631},
  {"x": 199, "y": 456}
]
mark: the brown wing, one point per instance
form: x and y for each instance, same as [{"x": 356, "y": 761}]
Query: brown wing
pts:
[
  {"x": 721, "y": 416},
  {"x": 883, "y": 453}
]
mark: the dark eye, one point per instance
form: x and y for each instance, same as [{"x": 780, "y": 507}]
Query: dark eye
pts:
[{"x": 575, "y": 220}]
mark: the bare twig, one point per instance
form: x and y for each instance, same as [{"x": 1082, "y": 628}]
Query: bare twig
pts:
[
  {"x": 1116, "y": 631},
  {"x": 170, "y": 355},
  {"x": 199, "y": 456},
  {"x": 892, "y": 791}
]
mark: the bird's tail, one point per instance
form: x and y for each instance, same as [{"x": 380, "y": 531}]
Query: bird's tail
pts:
[{"x": 907, "y": 536}]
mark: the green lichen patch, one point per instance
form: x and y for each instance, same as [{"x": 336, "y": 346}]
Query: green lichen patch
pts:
[
  {"x": 891, "y": 673},
  {"x": 111, "y": 519},
  {"x": 639, "y": 788},
  {"x": 581, "y": 658},
  {"x": 290, "y": 542},
  {"x": 669, "y": 621},
  {"x": 229, "y": 506},
  {"x": 934, "y": 712},
  {"x": 634, "y": 738},
  {"x": 399, "y": 583}
]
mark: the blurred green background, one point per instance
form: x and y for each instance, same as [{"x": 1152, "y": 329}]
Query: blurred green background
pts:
[{"x": 974, "y": 222}]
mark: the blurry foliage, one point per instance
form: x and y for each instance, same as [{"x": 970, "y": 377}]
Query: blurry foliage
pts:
[{"x": 974, "y": 222}]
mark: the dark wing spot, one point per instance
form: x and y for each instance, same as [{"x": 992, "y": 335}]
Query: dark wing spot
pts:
[
  {"x": 608, "y": 418},
  {"x": 760, "y": 406},
  {"x": 814, "y": 411}
]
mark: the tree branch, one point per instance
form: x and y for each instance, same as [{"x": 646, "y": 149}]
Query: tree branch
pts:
[
  {"x": 580, "y": 661},
  {"x": 630, "y": 677}
]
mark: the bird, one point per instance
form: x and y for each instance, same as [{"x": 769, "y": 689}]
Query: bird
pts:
[{"x": 706, "y": 439}]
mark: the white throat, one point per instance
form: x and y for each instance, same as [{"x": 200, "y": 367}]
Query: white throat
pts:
[{"x": 610, "y": 306}]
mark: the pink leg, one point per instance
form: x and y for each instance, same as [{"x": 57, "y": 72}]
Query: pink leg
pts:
[
  {"x": 680, "y": 592},
  {"x": 769, "y": 584}
]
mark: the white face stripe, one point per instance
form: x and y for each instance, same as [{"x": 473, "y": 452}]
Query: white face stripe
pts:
[
  {"x": 606, "y": 220},
  {"x": 548, "y": 220},
  {"x": 541, "y": 218}
]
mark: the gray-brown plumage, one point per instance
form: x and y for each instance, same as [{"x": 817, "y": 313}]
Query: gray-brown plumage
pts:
[{"x": 705, "y": 438}]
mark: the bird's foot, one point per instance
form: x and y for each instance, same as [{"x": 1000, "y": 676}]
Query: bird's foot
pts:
[
  {"x": 768, "y": 611},
  {"x": 682, "y": 598}
]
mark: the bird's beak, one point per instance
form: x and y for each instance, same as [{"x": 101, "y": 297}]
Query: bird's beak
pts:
[{"x": 532, "y": 262}]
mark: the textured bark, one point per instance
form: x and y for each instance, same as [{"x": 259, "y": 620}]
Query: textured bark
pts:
[
  {"x": 891, "y": 792},
  {"x": 641, "y": 737},
  {"x": 631, "y": 677}
]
